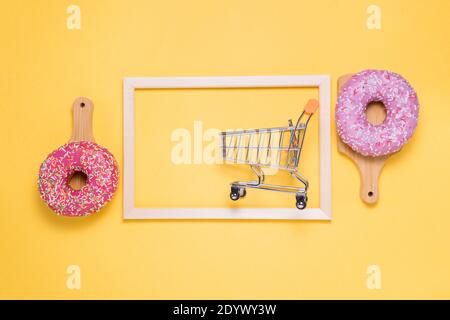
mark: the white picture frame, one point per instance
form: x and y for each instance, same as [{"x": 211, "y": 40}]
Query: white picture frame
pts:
[{"x": 322, "y": 82}]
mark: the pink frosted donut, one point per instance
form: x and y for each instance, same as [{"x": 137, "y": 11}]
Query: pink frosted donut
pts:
[
  {"x": 402, "y": 112},
  {"x": 93, "y": 160}
]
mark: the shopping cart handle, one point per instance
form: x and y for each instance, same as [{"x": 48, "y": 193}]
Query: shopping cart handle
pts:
[{"x": 311, "y": 106}]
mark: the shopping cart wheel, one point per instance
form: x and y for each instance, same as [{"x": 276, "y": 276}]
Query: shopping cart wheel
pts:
[
  {"x": 235, "y": 194},
  {"x": 242, "y": 192},
  {"x": 301, "y": 201}
]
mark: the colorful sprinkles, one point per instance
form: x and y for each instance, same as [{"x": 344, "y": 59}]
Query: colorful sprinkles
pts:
[
  {"x": 402, "y": 112},
  {"x": 90, "y": 158}
]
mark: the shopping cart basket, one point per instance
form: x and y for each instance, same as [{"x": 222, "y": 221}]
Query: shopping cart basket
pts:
[{"x": 277, "y": 148}]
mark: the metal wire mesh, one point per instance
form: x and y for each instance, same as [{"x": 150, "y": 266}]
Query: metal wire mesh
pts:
[{"x": 270, "y": 147}]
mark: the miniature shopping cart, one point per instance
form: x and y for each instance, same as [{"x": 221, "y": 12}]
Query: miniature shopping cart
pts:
[{"x": 275, "y": 148}]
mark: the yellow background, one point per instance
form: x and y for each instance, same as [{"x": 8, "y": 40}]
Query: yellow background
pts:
[
  {"x": 44, "y": 66},
  {"x": 162, "y": 183}
]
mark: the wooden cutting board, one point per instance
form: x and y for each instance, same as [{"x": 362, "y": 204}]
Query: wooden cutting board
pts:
[
  {"x": 369, "y": 167},
  {"x": 82, "y": 109}
]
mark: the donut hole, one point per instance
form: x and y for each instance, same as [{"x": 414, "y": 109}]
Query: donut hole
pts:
[
  {"x": 375, "y": 112},
  {"x": 77, "y": 180}
]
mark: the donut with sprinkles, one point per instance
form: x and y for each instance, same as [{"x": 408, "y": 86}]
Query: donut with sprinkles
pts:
[
  {"x": 96, "y": 162},
  {"x": 402, "y": 112}
]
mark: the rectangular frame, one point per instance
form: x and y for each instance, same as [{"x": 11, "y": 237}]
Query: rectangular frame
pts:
[{"x": 320, "y": 81}]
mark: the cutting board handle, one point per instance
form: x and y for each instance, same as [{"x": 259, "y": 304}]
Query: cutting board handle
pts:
[
  {"x": 370, "y": 170},
  {"x": 82, "y": 130}
]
